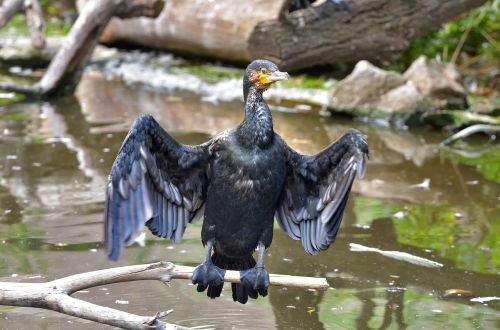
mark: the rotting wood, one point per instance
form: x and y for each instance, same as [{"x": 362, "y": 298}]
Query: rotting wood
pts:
[
  {"x": 55, "y": 295},
  {"x": 376, "y": 30}
]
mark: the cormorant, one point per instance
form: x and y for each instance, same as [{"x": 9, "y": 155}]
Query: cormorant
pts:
[{"x": 239, "y": 181}]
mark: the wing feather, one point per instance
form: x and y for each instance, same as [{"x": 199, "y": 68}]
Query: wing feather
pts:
[
  {"x": 317, "y": 190},
  {"x": 155, "y": 181}
]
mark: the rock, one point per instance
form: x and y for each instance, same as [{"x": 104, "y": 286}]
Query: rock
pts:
[
  {"x": 405, "y": 98},
  {"x": 438, "y": 82},
  {"x": 365, "y": 85},
  {"x": 371, "y": 91}
]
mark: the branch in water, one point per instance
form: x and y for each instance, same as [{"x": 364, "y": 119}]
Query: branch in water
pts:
[
  {"x": 55, "y": 295},
  {"x": 469, "y": 131}
]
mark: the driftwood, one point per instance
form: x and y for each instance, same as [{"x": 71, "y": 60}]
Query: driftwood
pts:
[
  {"x": 376, "y": 30},
  {"x": 479, "y": 128},
  {"x": 55, "y": 295},
  {"x": 65, "y": 69},
  {"x": 34, "y": 16}
]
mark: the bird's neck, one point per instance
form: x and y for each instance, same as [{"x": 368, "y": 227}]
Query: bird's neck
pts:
[{"x": 257, "y": 127}]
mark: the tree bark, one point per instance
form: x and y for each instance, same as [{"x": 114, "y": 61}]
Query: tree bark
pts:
[
  {"x": 55, "y": 295},
  {"x": 375, "y": 30}
]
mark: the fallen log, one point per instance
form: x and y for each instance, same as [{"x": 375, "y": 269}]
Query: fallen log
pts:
[
  {"x": 377, "y": 30},
  {"x": 55, "y": 295}
]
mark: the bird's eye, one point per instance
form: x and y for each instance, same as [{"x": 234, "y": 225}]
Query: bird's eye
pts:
[{"x": 263, "y": 70}]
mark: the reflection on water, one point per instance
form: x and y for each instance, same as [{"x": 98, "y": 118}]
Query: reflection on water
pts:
[{"x": 54, "y": 161}]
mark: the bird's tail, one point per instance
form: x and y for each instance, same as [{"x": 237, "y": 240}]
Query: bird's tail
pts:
[{"x": 240, "y": 292}]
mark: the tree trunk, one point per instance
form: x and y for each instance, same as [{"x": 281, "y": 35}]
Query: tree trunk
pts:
[
  {"x": 377, "y": 30},
  {"x": 218, "y": 29}
]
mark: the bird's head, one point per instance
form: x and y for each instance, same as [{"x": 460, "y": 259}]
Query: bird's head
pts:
[{"x": 262, "y": 73}]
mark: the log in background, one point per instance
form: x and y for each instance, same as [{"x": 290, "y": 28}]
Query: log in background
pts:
[{"x": 375, "y": 30}]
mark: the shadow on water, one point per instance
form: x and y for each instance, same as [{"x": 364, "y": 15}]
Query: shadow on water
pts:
[{"x": 54, "y": 162}]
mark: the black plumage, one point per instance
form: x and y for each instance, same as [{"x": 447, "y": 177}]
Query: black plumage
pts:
[{"x": 239, "y": 181}]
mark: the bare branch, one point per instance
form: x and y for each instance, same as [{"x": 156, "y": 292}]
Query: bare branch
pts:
[
  {"x": 54, "y": 295},
  {"x": 8, "y": 9},
  {"x": 65, "y": 70},
  {"x": 479, "y": 128}
]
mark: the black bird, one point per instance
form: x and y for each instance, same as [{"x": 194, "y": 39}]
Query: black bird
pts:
[{"x": 239, "y": 181}]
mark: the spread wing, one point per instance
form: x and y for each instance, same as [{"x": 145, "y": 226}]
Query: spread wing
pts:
[
  {"x": 155, "y": 181},
  {"x": 317, "y": 190}
]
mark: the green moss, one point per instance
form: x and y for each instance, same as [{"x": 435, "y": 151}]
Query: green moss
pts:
[
  {"x": 35, "y": 212},
  {"x": 38, "y": 140},
  {"x": 211, "y": 74},
  {"x": 58, "y": 27},
  {"x": 13, "y": 116},
  {"x": 9, "y": 100},
  {"x": 306, "y": 81},
  {"x": 17, "y": 24},
  {"x": 54, "y": 27}
]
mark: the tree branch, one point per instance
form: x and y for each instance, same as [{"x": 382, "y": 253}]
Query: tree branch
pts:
[
  {"x": 55, "y": 295},
  {"x": 34, "y": 15},
  {"x": 8, "y": 9},
  {"x": 65, "y": 69}
]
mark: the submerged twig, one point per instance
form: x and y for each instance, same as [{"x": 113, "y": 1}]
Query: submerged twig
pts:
[
  {"x": 55, "y": 295},
  {"x": 480, "y": 128}
]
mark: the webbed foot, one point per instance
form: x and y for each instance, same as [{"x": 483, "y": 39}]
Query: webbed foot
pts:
[
  {"x": 256, "y": 278},
  {"x": 207, "y": 274}
]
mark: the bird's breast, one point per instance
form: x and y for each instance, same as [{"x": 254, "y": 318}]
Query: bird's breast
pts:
[{"x": 253, "y": 172}]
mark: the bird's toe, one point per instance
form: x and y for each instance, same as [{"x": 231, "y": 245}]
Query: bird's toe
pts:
[
  {"x": 256, "y": 278},
  {"x": 207, "y": 274}
]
